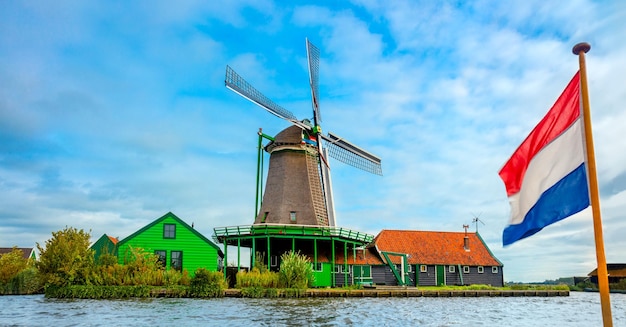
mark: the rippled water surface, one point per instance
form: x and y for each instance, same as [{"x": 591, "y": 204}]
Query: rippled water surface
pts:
[{"x": 579, "y": 309}]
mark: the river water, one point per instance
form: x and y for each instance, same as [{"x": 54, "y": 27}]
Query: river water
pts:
[{"x": 578, "y": 309}]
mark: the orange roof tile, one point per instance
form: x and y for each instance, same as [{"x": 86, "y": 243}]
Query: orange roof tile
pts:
[
  {"x": 440, "y": 248},
  {"x": 113, "y": 239}
]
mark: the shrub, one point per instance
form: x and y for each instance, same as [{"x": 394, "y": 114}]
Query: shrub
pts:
[
  {"x": 207, "y": 284},
  {"x": 295, "y": 270}
]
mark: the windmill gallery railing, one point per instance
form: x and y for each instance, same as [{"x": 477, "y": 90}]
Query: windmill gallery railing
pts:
[{"x": 220, "y": 233}]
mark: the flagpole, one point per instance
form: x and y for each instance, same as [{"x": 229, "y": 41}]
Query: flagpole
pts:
[{"x": 603, "y": 280}]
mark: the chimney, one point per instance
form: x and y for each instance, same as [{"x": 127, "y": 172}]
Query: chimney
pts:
[{"x": 466, "y": 239}]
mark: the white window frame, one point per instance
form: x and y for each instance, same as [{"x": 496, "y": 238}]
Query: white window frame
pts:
[
  {"x": 494, "y": 269},
  {"x": 466, "y": 269},
  {"x": 410, "y": 268},
  {"x": 423, "y": 268},
  {"x": 319, "y": 267},
  {"x": 481, "y": 269},
  {"x": 292, "y": 216},
  {"x": 274, "y": 261},
  {"x": 451, "y": 269}
]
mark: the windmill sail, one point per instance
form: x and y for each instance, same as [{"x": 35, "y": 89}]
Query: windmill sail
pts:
[
  {"x": 243, "y": 88},
  {"x": 352, "y": 155}
]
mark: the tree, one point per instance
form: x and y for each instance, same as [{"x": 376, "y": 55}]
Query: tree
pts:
[
  {"x": 66, "y": 258},
  {"x": 11, "y": 264}
]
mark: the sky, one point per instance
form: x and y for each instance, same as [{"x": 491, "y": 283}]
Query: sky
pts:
[{"x": 113, "y": 113}]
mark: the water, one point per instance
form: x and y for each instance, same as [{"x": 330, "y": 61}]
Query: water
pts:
[{"x": 579, "y": 309}]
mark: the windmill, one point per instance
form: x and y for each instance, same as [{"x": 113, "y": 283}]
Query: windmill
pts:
[{"x": 298, "y": 189}]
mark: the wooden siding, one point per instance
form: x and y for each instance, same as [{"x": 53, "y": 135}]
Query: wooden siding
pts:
[
  {"x": 428, "y": 278},
  {"x": 197, "y": 251},
  {"x": 103, "y": 245}
]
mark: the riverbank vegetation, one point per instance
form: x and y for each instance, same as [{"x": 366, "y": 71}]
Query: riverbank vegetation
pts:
[{"x": 67, "y": 269}]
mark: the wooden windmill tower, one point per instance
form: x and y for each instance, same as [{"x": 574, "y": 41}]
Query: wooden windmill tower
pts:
[{"x": 298, "y": 189}]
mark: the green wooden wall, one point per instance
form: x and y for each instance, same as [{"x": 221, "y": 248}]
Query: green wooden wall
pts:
[
  {"x": 103, "y": 245},
  {"x": 198, "y": 251},
  {"x": 323, "y": 278}
]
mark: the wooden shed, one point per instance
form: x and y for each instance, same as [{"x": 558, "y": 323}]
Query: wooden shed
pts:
[{"x": 104, "y": 245}]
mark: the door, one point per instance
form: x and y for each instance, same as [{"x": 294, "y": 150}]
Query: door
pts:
[{"x": 441, "y": 275}]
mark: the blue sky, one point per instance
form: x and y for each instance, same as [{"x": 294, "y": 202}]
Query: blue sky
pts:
[{"x": 114, "y": 113}]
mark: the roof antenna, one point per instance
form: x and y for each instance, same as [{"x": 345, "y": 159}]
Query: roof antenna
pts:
[{"x": 477, "y": 220}]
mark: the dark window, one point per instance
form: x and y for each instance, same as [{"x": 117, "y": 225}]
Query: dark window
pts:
[
  {"x": 162, "y": 257},
  {"x": 169, "y": 231},
  {"x": 177, "y": 260}
]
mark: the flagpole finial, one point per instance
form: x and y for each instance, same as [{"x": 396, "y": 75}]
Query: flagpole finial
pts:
[{"x": 583, "y": 46}]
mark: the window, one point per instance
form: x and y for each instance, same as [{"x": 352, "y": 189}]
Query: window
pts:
[
  {"x": 410, "y": 269},
  {"x": 481, "y": 269},
  {"x": 292, "y": 216},
  {"x": 264, "y": 216},
  {"x": 162, "y": 257},
  {"x": 494, "y": 269},
  {"x": 423, "y": 268},
  {"x": 451, "y": 269},
  {"x": 169, "y": 231},
  {"x": 466, "y": 269},
  {"x": 339, "y": 269},
  {"x": 316, "y": 266},
  {"x": 177, "y": 260},
  {"x": 274, "y": 261}
]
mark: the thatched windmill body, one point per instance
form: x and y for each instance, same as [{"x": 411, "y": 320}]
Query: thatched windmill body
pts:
[{"x": 299, "y": 189}]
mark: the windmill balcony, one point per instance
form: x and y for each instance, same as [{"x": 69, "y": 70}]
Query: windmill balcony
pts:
[{"x": 224, "y": 233}]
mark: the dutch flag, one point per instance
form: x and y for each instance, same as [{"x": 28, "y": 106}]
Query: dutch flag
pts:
[{"x": 545, "y": 178}]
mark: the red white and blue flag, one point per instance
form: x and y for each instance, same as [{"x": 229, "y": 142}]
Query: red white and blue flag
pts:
[{"x": 545, "y": 178}]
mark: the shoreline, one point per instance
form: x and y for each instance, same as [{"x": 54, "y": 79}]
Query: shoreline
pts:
[{"x": 412, "y": 292}]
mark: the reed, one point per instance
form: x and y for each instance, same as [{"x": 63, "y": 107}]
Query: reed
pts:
[{"x": 255, "y": 278}]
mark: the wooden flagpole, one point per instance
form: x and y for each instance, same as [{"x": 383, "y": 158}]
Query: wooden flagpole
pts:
[{"x": 603, "y": 280}]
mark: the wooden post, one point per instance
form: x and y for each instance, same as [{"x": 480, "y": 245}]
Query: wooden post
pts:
[{"x": 603, "y": 280}]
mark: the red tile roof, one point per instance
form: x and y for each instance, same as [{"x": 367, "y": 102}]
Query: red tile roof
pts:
[{"x": 435, "y": 248}]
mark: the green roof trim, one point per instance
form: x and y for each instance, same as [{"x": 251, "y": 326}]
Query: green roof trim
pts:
[
  {"x": 178, "y": 220},
  {"x": 488, "y": 249}
]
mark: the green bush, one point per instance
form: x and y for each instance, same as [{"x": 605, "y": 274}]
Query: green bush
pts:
[
  {"x": 207, "y": 283},
  {"x": 295, "y": 270},
  {"x": 97, "y": 292}
]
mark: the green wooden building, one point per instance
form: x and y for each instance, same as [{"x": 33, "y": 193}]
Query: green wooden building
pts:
[
  {"x": 178, "y": 245},
  {"x": 329, "y": 249},
  {"x": 104, "y": 245}
]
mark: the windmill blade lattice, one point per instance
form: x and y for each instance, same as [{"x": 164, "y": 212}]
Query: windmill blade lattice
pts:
[
  {"x": 352, "y": 155},
  {"x": 239, "y": 85},
  {"x": 313, "y": 54}
]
